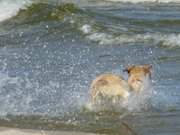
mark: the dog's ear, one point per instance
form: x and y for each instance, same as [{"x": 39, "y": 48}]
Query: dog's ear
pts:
[
  {"x": 128, "y": 69},
  {"x": 147, "y": 68}
]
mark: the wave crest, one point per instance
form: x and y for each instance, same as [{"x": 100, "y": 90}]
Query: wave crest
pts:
[{"x": 102, "y": 38}]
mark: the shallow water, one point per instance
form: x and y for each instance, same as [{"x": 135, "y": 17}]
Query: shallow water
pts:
[{"x": 50, "y": 52}]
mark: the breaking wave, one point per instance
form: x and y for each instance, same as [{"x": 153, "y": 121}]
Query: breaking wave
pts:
[
  {"x": 9, "y": 8},
  {"x": 170, "y": 40}
]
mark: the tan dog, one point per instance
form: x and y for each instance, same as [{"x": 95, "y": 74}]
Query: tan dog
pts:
[
  {"x": 138, "y": 75},
  {"x": 109, "y": 85}
]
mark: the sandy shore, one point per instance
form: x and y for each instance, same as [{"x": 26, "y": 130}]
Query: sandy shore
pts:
[{"x": 16, "y": 131}]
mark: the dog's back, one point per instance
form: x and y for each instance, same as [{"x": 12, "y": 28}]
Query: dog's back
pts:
[{"x": 109, "y": 85}]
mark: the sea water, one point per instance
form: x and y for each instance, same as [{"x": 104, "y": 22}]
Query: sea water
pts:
[{"x": 50, "y": 51}]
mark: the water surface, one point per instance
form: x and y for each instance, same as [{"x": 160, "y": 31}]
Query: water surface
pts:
[{"x": 50, "y": 51}]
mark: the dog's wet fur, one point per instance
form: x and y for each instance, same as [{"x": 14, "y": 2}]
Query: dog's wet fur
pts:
[{"x": 111, "y": 85}]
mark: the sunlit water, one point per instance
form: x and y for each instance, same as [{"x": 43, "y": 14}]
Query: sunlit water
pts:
[{"x": 50, "y": 53}]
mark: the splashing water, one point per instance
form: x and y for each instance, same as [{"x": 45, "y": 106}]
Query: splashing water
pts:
[
  {"x": 136, "y": 102},
  {"x": 141, "y": 100}
]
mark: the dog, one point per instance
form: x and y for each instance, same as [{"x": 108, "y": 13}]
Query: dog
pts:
[
  {"x": 138, "y": 76},
  {"x": 110, "y": 85}
]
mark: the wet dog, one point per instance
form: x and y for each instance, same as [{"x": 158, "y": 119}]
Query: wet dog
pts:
[{"x": 110, "y": 85}]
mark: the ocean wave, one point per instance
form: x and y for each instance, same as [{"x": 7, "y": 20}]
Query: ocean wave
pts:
[
  {"x": 10, "y": 8},
  {"x": 102, "y": 38},
  {"x": 43, "y": 12}
]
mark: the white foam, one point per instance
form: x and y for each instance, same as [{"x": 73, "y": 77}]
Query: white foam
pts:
[
  {"x": 86, "y": 29},
  {"x": 10, "y": 8},
  {"x": 170, "y": 39}
]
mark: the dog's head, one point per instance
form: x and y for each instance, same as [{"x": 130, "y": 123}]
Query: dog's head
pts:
[{"x": 137, "y": 76}]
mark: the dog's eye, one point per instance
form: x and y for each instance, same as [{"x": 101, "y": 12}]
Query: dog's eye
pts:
[{"x": 137, "y": 80}]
